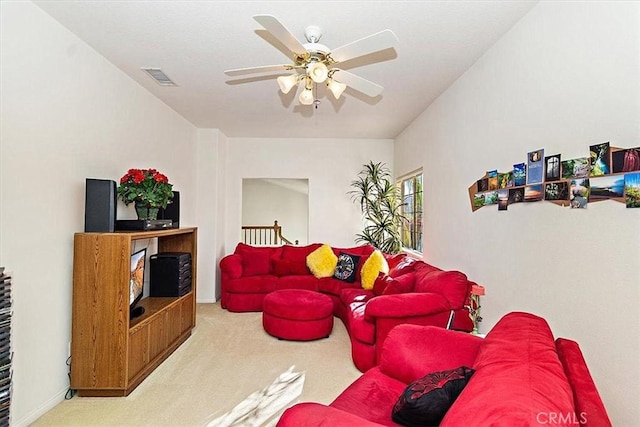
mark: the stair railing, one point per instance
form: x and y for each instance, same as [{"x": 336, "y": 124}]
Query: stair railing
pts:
[{"x": 264, "y": 235}]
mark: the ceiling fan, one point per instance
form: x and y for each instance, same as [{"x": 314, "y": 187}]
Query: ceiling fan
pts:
[{"x": 315, "y": 63}]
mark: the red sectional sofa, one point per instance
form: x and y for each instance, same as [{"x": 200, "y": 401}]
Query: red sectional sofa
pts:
[
  {"x": 412, "y": 292},
  {"x": 523, "y": 377}
]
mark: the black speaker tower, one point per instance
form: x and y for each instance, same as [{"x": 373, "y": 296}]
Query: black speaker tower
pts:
[
  {"x": 172, "y": 211},
  {"x": 100, "y": 205}
]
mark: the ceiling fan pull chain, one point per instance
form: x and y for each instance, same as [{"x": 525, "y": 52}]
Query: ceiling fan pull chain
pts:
[{"x": 316, "y": 101}]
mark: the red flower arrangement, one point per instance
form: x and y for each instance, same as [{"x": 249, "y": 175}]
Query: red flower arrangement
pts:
[{"x": 146, "y": 187}]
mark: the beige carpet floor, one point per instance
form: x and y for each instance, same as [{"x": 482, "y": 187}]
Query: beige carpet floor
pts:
[{"x": 227, "y": 357}]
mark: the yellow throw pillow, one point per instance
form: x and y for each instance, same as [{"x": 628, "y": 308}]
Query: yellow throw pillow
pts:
[
  {"x": 371, "y": 268},
  {"x": 322, "y": 262}
]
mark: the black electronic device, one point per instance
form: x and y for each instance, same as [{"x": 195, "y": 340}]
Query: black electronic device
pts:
[
  {"x": 142, "y": 224},
  {"x": 100, "y": 205},
  {"x": 172, "y": 211},
  {"x": 171, "y": 274}
]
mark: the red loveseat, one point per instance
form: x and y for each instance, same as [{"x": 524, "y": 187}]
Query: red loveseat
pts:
[
  {"x": 522, "y": 378},
  {"x": 412, "y": 292}
]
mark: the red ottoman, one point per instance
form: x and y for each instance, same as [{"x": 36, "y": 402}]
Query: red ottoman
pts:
[{"x": 297, "y": 314}]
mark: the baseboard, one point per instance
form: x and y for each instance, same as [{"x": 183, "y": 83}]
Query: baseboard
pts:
[
  {"x": 206, "y": 301},
  {"x": 31, "y": 417}
]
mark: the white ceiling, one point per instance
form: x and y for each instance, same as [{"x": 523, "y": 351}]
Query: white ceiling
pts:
[{"x": 193, "y": 42}]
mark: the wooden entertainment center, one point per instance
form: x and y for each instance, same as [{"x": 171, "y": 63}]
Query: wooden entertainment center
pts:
[{"x": 110, "y": 353}]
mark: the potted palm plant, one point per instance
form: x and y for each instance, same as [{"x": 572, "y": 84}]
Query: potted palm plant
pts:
[{"x": 381, "y": 205}]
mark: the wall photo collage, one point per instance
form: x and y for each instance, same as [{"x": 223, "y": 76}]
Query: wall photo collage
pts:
[{"x": 608, "y": 173}]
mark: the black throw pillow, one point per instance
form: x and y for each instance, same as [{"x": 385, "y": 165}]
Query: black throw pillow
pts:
[
  {"x": 346, "y": 268},
  {"x": 426, "y": 400}
]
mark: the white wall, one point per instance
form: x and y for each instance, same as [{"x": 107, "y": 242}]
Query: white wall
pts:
[
  {"x": 67, "y": 114},
  {"x": 210, "y": 208},
  {"x": 220, "y": 190},
  {"x": 329, "y": 164},
  {"x": 284, "y": 200},
  {"x": 565, "y": 77}
]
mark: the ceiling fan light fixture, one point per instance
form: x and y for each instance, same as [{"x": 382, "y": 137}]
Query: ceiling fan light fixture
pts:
[
  {"x": 311, "y": 61},
  {"x": 306, "y": 97},
  {"x": 317, "y": 71},
  {"x": 286, "y": 83},
  {"x": 336, "y": 88}
]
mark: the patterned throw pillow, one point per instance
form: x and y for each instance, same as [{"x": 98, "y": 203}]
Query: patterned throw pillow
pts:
[
  {"x": 426, "y": 400},
  {"x": 346, "y": 267}
]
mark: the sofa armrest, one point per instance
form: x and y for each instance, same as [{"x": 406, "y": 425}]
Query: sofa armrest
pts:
[
  {"x": 316, "y": 414},
  {"x": 589, "y": 407},
  {"x": 231, "y": 266},
  {"x": 411, "y": 351},
  {"x": 405, "y": 305}
]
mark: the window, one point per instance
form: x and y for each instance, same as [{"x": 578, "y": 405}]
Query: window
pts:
[{"x": 411, "y": 231}]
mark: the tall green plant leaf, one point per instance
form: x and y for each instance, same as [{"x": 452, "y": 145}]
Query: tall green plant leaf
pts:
[{"x": 380, "y": 203}]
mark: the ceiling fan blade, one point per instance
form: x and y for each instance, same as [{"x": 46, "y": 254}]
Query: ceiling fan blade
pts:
[
  {"x": 358, "y": 83},
  {"x": 280, "y": 32},
  {"x": 253, "y": 70},
  {"x": 375, "y": 42}
]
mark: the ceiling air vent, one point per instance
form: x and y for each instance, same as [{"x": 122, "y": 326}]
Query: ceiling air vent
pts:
[{"x": 159, "y": 76}]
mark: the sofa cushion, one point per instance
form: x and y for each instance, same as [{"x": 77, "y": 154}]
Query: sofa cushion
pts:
[
  {"x": 374, "y": 265},
  {"x": 322, "y": 262},
  {"x": 252, "y": 285},
  {"x": 346, "y": 267},
  {"x": 333, "y": 286},
  {"x": 285, "y": 267},
  {"x": 412, "y": 350},
  {"x": 424, "y": 267},
  {"x": 359, "y": 327},
  {"x": 518, "y": 363},
  {"x": 363, "y": 250},
  {"x": 371, "y": 397},
  {"x": 297, "y": 258},
  {"x": 306, "y": 281},
  {"x": 357, "y": 295},
  {"x": 400, "y": 285},
  {"x": 403, "y": 266},
  {"x": 256, "y": 260},
  {"x": 317, "y": 414},
  {"x": 453, "y": 285},
  {"x": 381, "y": 283},
  {"x": 394, "y": 259},
  {"x": 425, "y": 401}
]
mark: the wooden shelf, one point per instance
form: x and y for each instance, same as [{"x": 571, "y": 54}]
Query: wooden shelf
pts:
[{"x": 110, "y": 353}]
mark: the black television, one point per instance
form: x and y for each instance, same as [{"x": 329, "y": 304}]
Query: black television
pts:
[{"x": 136, "y": 282}]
